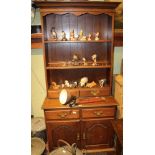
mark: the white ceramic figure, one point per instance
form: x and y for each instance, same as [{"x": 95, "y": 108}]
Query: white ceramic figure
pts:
[
  {"x": 102, "y": 82},
  {"x": 94, "y": 56},
  {"x": 83, "y": 81}
]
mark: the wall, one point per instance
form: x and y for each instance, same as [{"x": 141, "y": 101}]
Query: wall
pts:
[{"x": 38, "y": 85}]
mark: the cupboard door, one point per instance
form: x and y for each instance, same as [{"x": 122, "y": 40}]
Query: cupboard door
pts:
[
  {"x": 66, "y": 130},
  {"x": 97, "y": 134}
]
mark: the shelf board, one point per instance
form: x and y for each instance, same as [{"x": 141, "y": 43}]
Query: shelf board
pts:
[
  {"x": 77, "y": 67},
  {"x": 80, "y": 88},
  {"x": 92, "y": 41},
  {"x": 63, "y": 65}
]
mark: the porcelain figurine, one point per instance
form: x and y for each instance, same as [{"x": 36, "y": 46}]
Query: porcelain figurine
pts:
[
  {"x": 102, "y": 82},
  {"x": 83, "y": 81},
  {"x": 55, "y": 86},
  {"x": 53, "y": 34},
  {"x": 94, "y": 56},
  {"x": 97, "y": 36},
  {"x": 84, "y": 38},
  {"x": 89, "y": 37},
  {"x": 84, "y": 61},
  {"x": 91, "y": 84},
  {"x": 63, "y": 35},
  {"x": 72, "y": 38},
  {"x": 80, "y": 35},
  {"x": 75, "y": 60},
  {"x": 67, "y": 84}
]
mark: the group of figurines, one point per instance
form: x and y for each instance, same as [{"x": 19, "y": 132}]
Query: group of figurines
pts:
[
  {"x": 76, "y": 60},
  {"x": 82, "y": 83},
  {"x": 81, "y": 36}
]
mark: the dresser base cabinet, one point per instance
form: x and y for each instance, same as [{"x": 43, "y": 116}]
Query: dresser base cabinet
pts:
[{"x": 86, "y": 125}]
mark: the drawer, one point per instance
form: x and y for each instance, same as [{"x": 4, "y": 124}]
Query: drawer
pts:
[
  {"x": 98, "y": 112},
  {"x": 62, "y": 114},
  {"x": 55, "y": 93},
  {"x": 95, "y": 92}
]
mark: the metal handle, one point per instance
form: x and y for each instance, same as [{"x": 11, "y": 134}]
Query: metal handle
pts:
[
  {"x": 98, "y": 113},
  {"x": 78, "y": 136},
  {"x": 94, "y": 92},
  {"x": 84, "y": 136},
  {"x": 63, "y": 115}
]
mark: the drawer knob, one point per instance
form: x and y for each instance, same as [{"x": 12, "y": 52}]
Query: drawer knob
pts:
[
  {"x": 98, "y": 113},
  {"x": 63, "y": 115},
  {"x": 94, "y": 92}
]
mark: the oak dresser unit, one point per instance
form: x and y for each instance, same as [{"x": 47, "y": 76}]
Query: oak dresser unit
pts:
[{"x": 88, "y": 53}]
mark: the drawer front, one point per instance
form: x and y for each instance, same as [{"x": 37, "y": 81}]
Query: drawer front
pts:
[
  {"x": 55, "y": 93},
  {"x": 98, "y": 112},
  {"x": 95, "y": 92},
  {"x": 61, "y": 114}
]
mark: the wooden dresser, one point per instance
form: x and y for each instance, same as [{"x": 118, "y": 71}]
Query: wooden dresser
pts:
[{"x": 88, "y": 125}]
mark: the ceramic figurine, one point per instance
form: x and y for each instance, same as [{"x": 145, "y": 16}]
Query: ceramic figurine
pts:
[
  {"x": 91, "y": 84},
  {"x": 89, "y": 37},
  {"x": 53, "y": 34},
  {"x": 84, "y": 38},
  {"x": 84, "y": 61},
  {"x": 83, "y": 81},
  {"x": 102, "y": 82},
  {"x": 63, "y": 34},
  {"x": 94, "y": 56},
  {"x": 55, "y": 86},
  {"x": 67, "y": 83},
  {"x": 74, "y": 84},
  {"x": 97, "y": 36},
  {"x": 80, "y": 35},
  {"x": 75, "y": 60},
  {"x": 72, "y": 38}
]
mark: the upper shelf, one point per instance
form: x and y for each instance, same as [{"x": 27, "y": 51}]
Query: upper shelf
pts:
[{"x": 92, "y": 41}]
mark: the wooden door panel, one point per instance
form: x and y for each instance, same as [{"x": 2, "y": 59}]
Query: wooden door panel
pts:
[
  {"x": 66, "y": 130},
  {"x": 97, "y": 134}
]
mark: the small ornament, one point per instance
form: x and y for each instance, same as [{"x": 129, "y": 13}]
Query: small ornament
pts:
[
  {"x": 84, "y": 61},
  {"x": 97, "y": 36},
  {"x": 94, "y": 56},
  {"x": 84, "y": 38},
  {"x": 53, "y": 34},
  {"x": 55, "y": 86},
  {"x": 80, "y": 35},
  {"x": 89, "y": 37},
  {"x": 102, "y": 82},
  {"x": 72, "y": 38},
  {"x": 83, "y": 81},
  {"x": 67, "y": 84},
  {"x": 91, "y": 84},
  {"x": 63, "y": 34},
  {"x": 75, "y": 60}
]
